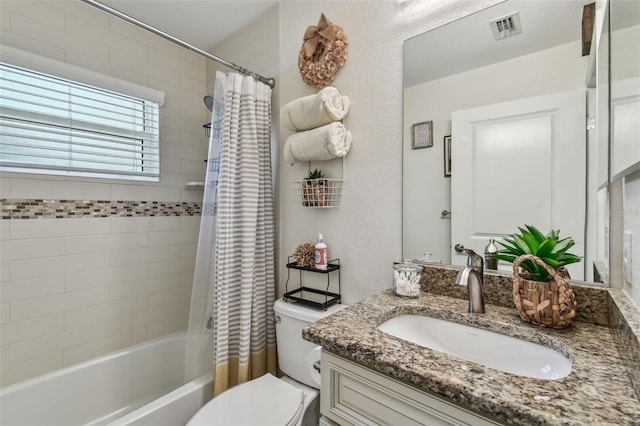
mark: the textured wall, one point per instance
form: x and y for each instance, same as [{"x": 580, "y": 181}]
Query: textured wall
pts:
[{"x": 366, "y": 231}]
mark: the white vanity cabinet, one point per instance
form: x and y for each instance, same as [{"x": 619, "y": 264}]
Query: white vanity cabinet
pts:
[{"x": 355, "y": 395}]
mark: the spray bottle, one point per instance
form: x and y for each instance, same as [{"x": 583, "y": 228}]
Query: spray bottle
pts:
[{"x": 321, "y": 254}]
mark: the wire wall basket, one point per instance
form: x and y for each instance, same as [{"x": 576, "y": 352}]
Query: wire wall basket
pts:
[{"x": 318, "y": 193}]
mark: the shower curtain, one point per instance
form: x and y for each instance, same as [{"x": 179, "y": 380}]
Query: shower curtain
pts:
[
  {"x": 240, "y": 268},
  {"x": 200, "y": 336}
]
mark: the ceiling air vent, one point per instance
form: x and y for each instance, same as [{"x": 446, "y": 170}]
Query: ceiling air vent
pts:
[{"x": 506, "y": 26}]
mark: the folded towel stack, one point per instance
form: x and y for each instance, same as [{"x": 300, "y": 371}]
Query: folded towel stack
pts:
[
  {"x": 320, "y": 136},
  {"x": 324, "y": 143},
  {"x": 313, "y": 111}
]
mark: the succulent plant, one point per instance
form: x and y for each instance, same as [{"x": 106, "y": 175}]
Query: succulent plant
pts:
[
  {"x": 315, "y": 174},
  {"x": 550, "y": 248}
]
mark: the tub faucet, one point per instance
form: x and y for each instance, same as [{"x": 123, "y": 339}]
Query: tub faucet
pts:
[{"x": 472, "y": 276}]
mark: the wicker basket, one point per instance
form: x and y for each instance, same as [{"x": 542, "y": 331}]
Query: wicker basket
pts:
[
  {"x": 550, "y": 304},
  {"x": 318, "y": 193}
]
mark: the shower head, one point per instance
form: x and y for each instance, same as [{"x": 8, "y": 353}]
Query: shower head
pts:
[{"x": 208, "y": 101}]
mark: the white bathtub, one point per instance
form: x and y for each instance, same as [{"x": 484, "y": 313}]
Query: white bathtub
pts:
[{"x": 140, "y": 385}]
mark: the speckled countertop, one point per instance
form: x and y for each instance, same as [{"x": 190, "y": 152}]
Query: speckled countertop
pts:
[{"x": 598, "y": 390}]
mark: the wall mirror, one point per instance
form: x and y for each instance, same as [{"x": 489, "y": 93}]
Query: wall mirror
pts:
[
  {"x": 507, "y": 89},
  {"x": 625, "y": 87}
]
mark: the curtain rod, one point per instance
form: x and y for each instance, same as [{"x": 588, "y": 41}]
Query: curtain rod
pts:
[{"x": 270, "y": 81}]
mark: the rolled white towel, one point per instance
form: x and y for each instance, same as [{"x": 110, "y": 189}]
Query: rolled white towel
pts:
[
  {"x": 316, "y": 110},
  {"x": 324, "y": 143}
]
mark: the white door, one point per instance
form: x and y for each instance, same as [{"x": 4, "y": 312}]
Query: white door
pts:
[{"x": 516, "y": 163}]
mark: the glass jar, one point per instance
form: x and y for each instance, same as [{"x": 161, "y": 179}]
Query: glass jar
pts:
[{"x": 406, "y": 279}]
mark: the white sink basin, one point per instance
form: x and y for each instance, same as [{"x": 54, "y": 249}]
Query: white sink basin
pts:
[{"x": 494, "y": 350}]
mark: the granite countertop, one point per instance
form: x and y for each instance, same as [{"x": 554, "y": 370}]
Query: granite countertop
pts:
[{"x": 598, "y": 390}]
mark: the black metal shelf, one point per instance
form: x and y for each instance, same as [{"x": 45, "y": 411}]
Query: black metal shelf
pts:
[
  {"x": 306, "y": 295},
  {"x": 330, "y": 267}
]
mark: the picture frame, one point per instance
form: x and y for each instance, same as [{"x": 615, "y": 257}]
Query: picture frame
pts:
[
  {"x": 422, "y": 135},
  {"x": 447, "y": 156}
]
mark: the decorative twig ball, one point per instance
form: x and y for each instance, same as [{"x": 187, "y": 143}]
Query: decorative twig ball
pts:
[{"x": 304, "y": 255}]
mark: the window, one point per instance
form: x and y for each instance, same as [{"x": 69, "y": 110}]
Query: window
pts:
[{"x": 57, "y": 126}]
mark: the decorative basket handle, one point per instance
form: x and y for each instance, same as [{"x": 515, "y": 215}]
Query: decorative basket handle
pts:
[
  {"x": 533, "y": 306},
  {"x": 552, "y": 271}
]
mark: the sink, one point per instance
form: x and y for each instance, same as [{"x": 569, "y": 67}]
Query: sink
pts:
[{"x": 493, "y": 350}]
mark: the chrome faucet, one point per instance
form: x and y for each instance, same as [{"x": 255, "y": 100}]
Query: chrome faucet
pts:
[{"x": 472, "y": 276}]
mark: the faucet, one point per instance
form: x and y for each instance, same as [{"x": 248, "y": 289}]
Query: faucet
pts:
[{"x": 472, "y": 276}]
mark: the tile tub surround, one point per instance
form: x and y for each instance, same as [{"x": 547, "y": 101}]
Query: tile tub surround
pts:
[{"x": 598, "y": 390}]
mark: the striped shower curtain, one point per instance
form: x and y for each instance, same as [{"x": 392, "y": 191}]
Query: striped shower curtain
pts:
[{"x": 244, "y": 277}]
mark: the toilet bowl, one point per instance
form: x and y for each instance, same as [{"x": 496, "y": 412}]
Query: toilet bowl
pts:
[{"x": 291, "y": 400}]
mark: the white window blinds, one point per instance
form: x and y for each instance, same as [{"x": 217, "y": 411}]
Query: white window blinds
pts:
[{"x": 53, "y": 125}]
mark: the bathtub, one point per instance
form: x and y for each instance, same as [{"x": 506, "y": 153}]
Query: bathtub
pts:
[{"x": 140, "y": 385}]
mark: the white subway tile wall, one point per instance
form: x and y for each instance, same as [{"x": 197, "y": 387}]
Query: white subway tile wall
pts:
[
  {"x": 106, "y": 284},
  {"x": 75, "y": 288}
]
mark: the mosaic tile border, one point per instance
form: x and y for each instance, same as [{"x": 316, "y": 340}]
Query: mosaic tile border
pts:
[{"x": 76, "y": 209}]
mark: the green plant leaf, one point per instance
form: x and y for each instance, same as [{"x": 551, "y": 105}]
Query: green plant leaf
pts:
[
  {"x": 509, "y": 245},
  {"x": 550, "y": 248},
  {"x": 535, "y": 232},
  {"x": 546, "y": 248},
  {"x": 530, "y": 241},
  {"x": 568, "y": 258},
  {"x": 552, "y": 234},
  {"x": 564, "y": 245},
  {"x": 522, "y": 244},
  {"x": 506, "y": 257},
  {"x": 554, "y": 263}
]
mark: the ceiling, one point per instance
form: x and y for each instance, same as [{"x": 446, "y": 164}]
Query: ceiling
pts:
[
  {"x": 470, "y": 42},
  {"x": 201, "y": 23}
]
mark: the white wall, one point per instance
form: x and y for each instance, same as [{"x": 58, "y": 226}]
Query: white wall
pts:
[
  {"x": 365, "y": 232},
  {"x": 427, "y": 191},
  {"x": 72, "y": 289}
]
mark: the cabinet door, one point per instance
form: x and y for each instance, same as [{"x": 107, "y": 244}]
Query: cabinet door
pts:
[{"x": 354, "y": 395}]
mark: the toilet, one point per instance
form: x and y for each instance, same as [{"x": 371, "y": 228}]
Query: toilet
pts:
[{"x": 291, "y": 400}]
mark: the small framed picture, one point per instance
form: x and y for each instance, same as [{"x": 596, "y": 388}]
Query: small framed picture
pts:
[
  {"x": 447, "y": 156},
  {"x": 422, "y": 135}
]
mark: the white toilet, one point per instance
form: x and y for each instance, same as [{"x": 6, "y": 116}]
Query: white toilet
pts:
[{"x": 267, "y": 400}]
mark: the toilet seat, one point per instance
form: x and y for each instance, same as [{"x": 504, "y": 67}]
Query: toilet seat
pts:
[{"x": 262, "y": 401}]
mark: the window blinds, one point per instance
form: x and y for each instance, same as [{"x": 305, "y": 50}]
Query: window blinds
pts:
[{"x": 53, "y": 125}]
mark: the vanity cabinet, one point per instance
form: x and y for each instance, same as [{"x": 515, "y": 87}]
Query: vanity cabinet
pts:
[{"x": 355, "y": 395}]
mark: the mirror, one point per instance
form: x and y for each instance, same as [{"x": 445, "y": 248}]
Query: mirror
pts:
[
  {"x": 452, "y": 74},
  {"x": 625, "y": 87}
]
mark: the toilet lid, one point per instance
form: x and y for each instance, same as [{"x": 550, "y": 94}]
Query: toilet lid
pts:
[{"x": 263, "y": 401}]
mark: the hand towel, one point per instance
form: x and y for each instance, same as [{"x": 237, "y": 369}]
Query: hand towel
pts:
[
  {"x": 323, "y": 143},
  {"x": 313, "y": 111}
]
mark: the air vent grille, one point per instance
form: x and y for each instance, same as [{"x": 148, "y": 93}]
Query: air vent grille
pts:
[{"x": 506, "y": 26}]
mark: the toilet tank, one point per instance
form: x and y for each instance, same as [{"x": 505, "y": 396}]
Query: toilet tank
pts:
[{"x": 296, "y": 355}]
